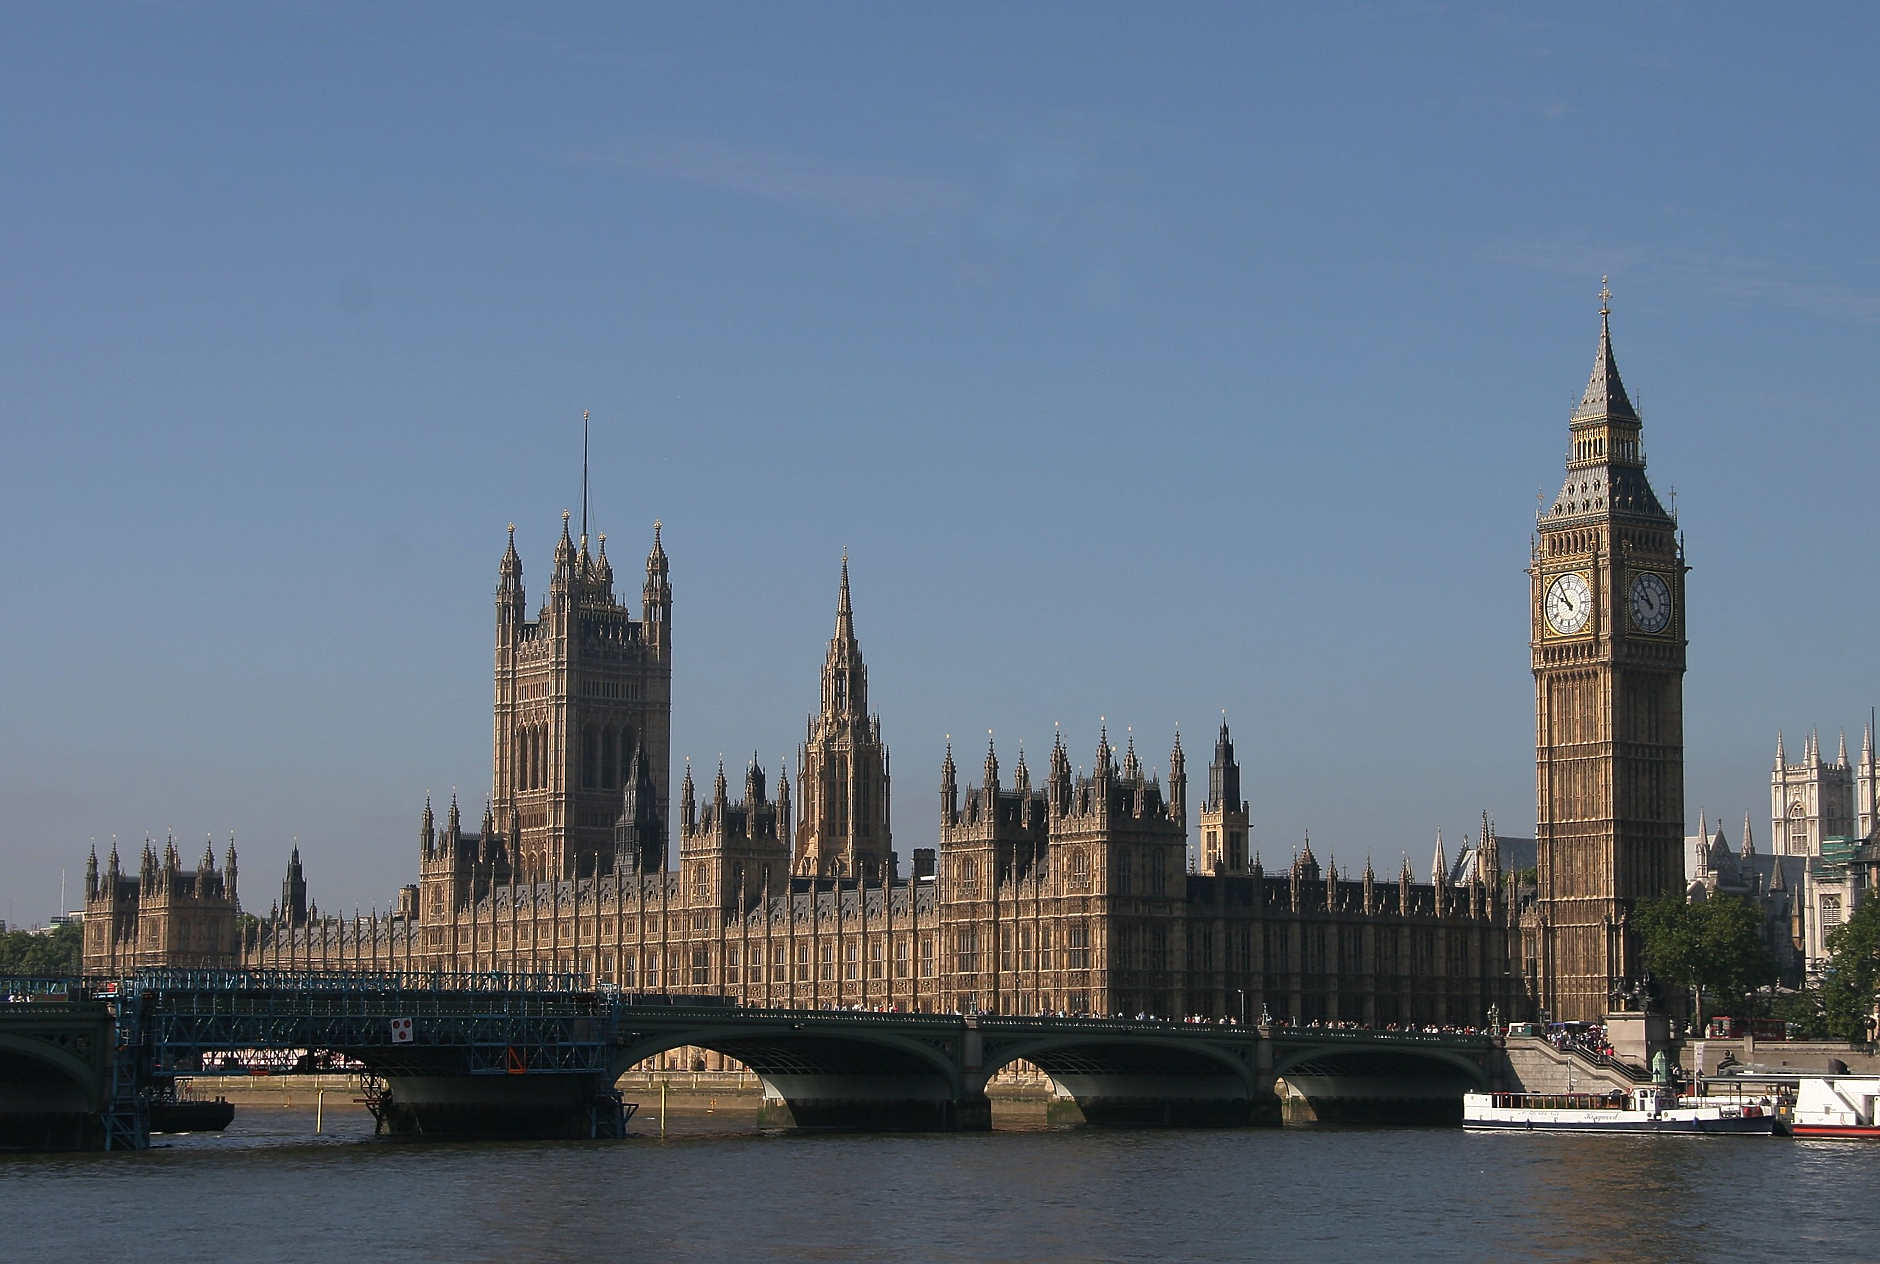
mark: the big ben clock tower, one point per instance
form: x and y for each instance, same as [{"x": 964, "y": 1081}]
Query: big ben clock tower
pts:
[{"x": 1607, "y": 600}]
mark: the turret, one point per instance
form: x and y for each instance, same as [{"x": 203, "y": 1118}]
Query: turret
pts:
[
  {"x": 753, "y": 788},
  {"x": 1224, "y": 821},
  {"x": 1178, "y": 785},
  {"x": 1489, "y": 866},
  {"x": 785, "y": 827},
  {"x": 1749, "y": 842},
  {"x": 91, "y": 875},
  {"x": 228, "y": 872},
  {"x": 511, "y": 601},
  {"x": 688, "y": 800},
  {"x": 427, "y": 831},
  {"x": 1061, "y": 785},
  {"x": 294, "y": 891},
  {"x": 639, "y": 831},
  {"x": 604, "y": 571},
  {"x": 656, "y": 597},
  {"x": 949, "y": 790},
  {"x": 562, "y": 582}
]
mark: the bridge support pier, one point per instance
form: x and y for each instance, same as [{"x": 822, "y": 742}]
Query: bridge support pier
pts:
[
  {"x": 549, "y": 1107},
  {"x": 48, "y": 1115}
]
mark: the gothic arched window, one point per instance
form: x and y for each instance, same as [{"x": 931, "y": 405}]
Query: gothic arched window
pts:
[
  {"x": 609, "y": 760},
  {"x": 590, "y": 758}
]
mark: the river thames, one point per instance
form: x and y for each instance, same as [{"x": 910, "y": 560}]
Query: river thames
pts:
[{"x": 713, "y": 1190}]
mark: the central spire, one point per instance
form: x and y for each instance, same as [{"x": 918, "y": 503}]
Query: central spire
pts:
[
  {"x": 1606, "y": 457},
  {"x": 845, "y": 614},
  {"x": 1605, "y": 395},
  {"x": 845, "y": 678}
]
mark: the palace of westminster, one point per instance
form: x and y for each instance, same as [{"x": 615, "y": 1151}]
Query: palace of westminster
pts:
[{"x": 1048, "y": 892}]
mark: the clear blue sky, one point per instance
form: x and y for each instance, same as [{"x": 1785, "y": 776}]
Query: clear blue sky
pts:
[{"x": 1150, "y": 360}]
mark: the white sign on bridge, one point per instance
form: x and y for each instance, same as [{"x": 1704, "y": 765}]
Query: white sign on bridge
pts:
[{"x": 401, "y": 1031}]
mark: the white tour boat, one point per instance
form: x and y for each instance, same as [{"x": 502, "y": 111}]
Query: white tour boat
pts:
[
  {"x": 1653, "y": 1109},
  {"x": 1835, "y": 1106}
]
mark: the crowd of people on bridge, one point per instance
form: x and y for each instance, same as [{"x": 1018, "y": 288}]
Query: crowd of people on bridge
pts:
[{"x": 1423, "y": 1029}]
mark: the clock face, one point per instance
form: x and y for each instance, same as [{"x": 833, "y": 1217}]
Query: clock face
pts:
[
  {"x": 1569, "y": 603},
  {"x": 1649, "y": 603}
]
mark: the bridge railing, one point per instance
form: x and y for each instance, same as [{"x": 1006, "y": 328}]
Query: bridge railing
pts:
[
  {"x": 495, "y": 981},
  {"x": 17, "y": 988}
]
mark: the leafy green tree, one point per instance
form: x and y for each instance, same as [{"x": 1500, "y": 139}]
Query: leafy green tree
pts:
[
  {"x": 1712, "y": 947},
  {"x": 1852, "y": 976},
  {"x": 57, "y": 952}
]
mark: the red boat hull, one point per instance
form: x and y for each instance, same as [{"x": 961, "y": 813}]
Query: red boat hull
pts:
[{"x": 1831, "y": 1130}]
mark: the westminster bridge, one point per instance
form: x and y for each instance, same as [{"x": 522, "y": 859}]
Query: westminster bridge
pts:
[{"x": 539, "y": 1055}]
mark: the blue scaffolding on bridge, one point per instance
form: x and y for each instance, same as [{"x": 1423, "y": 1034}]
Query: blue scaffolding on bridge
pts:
[{"x": 388, "y": 1024}]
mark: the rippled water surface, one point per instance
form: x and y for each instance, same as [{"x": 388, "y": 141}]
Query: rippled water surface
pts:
[{"x": 268, "y": 1189}]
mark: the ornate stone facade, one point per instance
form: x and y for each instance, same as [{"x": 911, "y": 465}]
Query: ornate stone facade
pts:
[
  {"x": 1607, "y": 609},
  {"x": 166, "y": 916},
  {"x": 1074, "y": 895}
]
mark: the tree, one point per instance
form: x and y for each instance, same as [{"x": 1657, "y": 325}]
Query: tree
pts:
[
  {"x": 1709, "y": 947},
  {"x": 1852, "y": 975},
  {"x": 56, "y": 952},
  {"x": 1804, "y": 1009}
]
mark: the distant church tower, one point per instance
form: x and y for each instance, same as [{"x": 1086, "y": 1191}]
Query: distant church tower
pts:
[
  {"x": 843, "y": 768},
  {"x": 1814, "y": 799},
  {"x": 1608, "y": 644},
  {"x": 583, "y": 692}
]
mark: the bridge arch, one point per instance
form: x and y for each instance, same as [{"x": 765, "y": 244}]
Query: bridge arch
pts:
[
  {"x": 1376, "y": 1082},
  {"x": 844, "y": 1078},
  {"x": 33, "y": 1059},
  {"x": 1144, "y": 1077},
  {"x": 1373, "y": 1060}
]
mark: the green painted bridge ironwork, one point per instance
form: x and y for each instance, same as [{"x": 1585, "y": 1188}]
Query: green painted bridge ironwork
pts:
[{"x": 539, "y": 1054}]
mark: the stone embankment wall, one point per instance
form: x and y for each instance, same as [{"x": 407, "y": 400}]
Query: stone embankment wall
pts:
[
  {"x": 1529, "y": 1064},
  {"x": 1776, "y": 1055},
  {"x": 299, "y": 1092}
]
